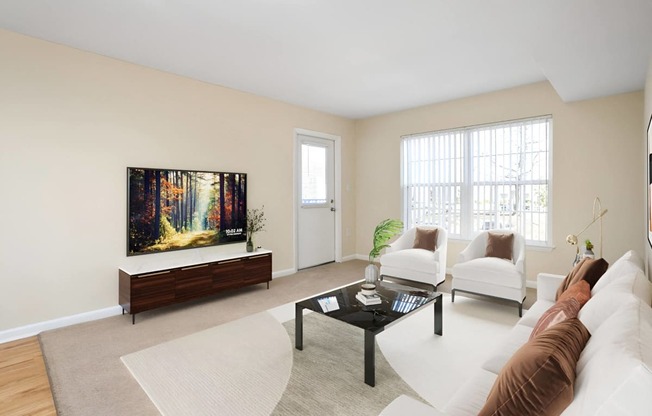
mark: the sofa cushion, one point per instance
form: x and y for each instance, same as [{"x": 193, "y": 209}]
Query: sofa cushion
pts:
[
  {"x": 471, "y": 396},
  {"x": 628, "y": 263},
  {"x": 607, "y": 300},
  {"x": 616, "y": 373},
  {"x": 410, "y": 259},
  {"x": 500, "y": 245},
  {"x": 426, "y": 238},
  {"x": 517, "y": 336},
  {"x": 580, "y": 291},
  {"x": 499, "y": 272},
  {"x": 559, "y": 312},
  {"x": 587, "y": 269},
  {"x": 538, "y": 379}
]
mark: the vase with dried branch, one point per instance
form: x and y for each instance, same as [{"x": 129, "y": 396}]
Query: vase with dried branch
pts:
[{"x": 256, "y": 222}]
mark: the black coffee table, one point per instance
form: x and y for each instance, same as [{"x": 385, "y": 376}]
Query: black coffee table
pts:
[{"x": 398, "y": 301}]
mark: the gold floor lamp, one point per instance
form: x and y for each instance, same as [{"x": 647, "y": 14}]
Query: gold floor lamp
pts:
[{"x": 598, "y": 213}]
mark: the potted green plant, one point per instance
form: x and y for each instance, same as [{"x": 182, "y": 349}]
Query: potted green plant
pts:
[
  {"x": 384, "y": 231},
  {"x": 255, "y": 223},
  {"x": 588, "y": 252}
]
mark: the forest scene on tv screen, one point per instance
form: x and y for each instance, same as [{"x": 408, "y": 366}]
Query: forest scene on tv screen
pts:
[{"x": 178, "y": 209}]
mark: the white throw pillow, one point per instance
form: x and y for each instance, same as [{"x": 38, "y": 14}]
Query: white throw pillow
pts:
[
  {"x": 627, "y": 263},
  {"x": 613, "y": 296}
]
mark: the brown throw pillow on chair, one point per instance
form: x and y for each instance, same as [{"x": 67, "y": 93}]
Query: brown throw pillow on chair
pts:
[
  {"x": 426, "y": 239},
  {"x": 500, "y": 245}
]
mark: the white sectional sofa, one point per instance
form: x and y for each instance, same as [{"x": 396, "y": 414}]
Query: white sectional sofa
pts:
[{"x": 614, "y": 371}]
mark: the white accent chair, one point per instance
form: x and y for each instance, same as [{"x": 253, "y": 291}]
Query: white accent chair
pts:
[
  {"x": 491, "y": 276},
  {"x": 403, "y": 261}
]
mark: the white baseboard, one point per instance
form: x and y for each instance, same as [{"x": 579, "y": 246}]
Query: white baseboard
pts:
[
  {"x": 352, "y": 257},
  {"x": 282, "y": 273},
  {"x": 35, "y": 329},
  {"x": 288, "y": 272}
]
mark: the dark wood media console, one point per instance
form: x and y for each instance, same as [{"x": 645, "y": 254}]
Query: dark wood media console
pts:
[{"x": 154, "y": 288}]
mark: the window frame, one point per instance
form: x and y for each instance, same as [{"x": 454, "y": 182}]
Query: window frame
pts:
[{"x": 468, "y": 183}]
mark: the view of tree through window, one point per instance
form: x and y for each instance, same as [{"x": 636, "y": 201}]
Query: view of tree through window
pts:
[{"x": 477, "y": 178}]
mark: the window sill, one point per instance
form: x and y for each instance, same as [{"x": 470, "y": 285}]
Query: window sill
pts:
[{"x": 531, "y": 247}]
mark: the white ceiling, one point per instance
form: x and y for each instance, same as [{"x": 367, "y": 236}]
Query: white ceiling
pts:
[{"x": 359, "y": 58}]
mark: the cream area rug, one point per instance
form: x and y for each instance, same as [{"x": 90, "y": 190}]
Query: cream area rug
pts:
[
  {"x": 435, "y": 367},
  {"x": 250, "y": 366},
  {"x": 238, "y": 368}
]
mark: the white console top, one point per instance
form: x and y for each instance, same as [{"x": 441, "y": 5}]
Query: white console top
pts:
[{"x": 173, "y": 260}]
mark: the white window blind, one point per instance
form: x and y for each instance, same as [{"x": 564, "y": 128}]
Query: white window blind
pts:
[{"x": 476, "y": 178}]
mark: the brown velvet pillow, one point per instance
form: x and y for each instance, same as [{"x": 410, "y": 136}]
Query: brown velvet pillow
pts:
[
  {"x": 426, "y": 239},
  {"x": 538, "y": 379},
  {"x": 581, "y": 291},
  {"x": 557, "y": 313},
  {"x": 500, "y": 245},
  {"x": 588, "y": 269},
  {"x": 569, "y": 277}
]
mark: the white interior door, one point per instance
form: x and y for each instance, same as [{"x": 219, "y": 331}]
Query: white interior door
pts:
[{"x": 316, "y": 210}]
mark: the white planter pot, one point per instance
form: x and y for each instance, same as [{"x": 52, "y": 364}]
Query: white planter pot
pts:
[{"x": 371, "y": 273}]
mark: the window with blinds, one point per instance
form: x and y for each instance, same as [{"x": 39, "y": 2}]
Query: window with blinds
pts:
[{"x": 494, "y": 176}]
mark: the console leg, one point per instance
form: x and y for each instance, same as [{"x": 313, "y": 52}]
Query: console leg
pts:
[{"x": 133, "y": 319}]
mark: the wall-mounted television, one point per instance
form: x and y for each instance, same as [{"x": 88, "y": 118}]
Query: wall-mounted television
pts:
[{"x": 180, "y": 209}]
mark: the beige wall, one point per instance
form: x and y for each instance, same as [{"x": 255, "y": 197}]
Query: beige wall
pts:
[
  {"x": 596, "y": 152},
  {"x": 70, "y": 124}
]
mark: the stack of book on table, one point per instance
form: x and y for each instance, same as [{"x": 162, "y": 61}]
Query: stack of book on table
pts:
[{"x": 368, "y": 299}]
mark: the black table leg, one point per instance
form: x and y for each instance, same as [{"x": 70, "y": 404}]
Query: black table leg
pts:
[
  {"x": 369, "y": 358},
  {"x": 298, "y": 327},
  {"x": 439, "y": 316}
]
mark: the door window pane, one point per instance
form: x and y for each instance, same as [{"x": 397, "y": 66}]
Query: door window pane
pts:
[{"x": 313, "y": 174}]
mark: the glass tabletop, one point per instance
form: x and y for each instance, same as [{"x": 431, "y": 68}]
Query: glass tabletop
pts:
[{"x": 397, "y": 301}]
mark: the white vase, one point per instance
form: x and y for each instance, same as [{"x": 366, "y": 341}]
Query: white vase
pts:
[{"x": 371, "y": 273}]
